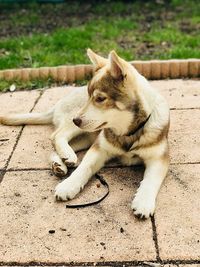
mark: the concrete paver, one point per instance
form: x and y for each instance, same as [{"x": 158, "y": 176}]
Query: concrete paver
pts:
[
  {"x": 180, "y": 93},
  {"x": 13, "y": 102},
  {"x": 34, "y": 148},
  {"x": 35, "y": 144},
  {"x": 8, "y": 136},
  {"x": 177, "y": 214},
  {"x": 189, "y": 265},
  {"x": 184, "y": 136},
  {"x": 107, "y": 231}
]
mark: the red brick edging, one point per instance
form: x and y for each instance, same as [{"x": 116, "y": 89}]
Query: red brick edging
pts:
[{"x": 152, "y": 69}]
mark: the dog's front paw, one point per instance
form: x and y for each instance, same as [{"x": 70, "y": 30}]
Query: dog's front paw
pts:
[
  {"x": 143, "y": 205},
  {"x": 67, "y": 189}
]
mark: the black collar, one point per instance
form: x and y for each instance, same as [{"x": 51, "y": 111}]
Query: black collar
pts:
[{"x": 140, "y": 126}]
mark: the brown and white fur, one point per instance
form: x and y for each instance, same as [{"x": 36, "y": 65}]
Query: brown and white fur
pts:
[{"x": 105, "y": 116}]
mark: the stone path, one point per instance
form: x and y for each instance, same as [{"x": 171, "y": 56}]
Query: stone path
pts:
[{"x": 35, "y": 230}]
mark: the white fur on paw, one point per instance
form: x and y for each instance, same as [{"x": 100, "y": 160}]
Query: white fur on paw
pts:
[
  {"x": 67, "y": 189},
  {"x": 70, "y": 159},
  {"x": 59, "y": 169},
  {"x": 143, "y": 205}
]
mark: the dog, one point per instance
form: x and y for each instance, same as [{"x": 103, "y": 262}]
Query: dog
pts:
[{"x": 118, "y": 114}]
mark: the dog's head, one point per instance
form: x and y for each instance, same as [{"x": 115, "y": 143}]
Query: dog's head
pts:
[{"x": 114, "y": 100}]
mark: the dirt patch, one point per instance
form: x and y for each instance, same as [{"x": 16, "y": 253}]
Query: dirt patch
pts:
[
  {"x": 188, "y": 27},
  {"x": 149, "y": 49},
  {"x": 17, "y": 21}
]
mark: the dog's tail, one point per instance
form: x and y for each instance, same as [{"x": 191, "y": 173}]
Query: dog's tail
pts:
[{"x": 27, "y": 118}]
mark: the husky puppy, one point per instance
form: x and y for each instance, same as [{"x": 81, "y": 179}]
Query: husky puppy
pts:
[{"x": 119, "y": 115}]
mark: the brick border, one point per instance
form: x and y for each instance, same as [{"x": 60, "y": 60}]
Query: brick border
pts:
[{"x": 152, "y": 69}]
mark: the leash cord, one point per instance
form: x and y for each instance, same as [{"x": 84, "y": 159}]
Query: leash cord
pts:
[{"x": 104, "y": 183}]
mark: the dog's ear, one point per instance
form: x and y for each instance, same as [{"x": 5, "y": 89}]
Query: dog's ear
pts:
[
  {"x": 96, "y": 60},
  {"x": 116, "y": 69}
]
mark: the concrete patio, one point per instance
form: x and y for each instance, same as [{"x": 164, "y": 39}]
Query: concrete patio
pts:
[{"x": 36, "y": 230}]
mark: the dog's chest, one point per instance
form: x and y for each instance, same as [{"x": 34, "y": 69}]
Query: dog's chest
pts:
[{"x": 123, "y": 143}]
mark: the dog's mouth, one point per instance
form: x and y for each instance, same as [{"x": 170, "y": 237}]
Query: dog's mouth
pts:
[
  {"x": 91, "y": 128},
  {"x": 100, "y": 126}
]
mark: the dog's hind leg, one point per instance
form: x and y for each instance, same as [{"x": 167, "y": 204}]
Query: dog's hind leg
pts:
[
  {"x": 61, "y": 143},
  {"x": 27, "y": 118}
]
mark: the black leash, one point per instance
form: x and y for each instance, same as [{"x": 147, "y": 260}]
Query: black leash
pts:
[{"x": 104, "y": 183}]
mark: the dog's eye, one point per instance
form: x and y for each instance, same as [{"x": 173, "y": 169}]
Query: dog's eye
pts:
[{"x": 100, "y": 99}]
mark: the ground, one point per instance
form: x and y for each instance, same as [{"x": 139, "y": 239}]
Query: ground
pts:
[
  {"x": 34, "y": 35},
  {"x": 36, "y": 230}
]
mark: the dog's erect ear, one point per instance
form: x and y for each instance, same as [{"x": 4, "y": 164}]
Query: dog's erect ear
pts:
[
  {"x": 96, "y": 60},
  {"x": 115, "y": 65}
]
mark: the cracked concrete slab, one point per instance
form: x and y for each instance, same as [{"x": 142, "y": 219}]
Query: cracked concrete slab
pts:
[
  {"x": 35, "y": 144},
  {"x": 189, "y": 265},
  {"x": 36, "y": 228},
  {"x": 177, "y": 214},
  {"x": 180, "y": 93},
  {"x": 13, "y": 102},
  {"x": 184, "y": 136}
]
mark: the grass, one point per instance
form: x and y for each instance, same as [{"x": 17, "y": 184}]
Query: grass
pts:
[
  {"x": 33, "y": 84},
  {"x": 179, "y": 45},
  {"x": 22, "y": 85},
  {"x": 135, "y": 29},
  {"x": 63, "y": 46}
]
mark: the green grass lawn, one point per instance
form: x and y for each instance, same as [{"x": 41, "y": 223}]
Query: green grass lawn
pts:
[{"x": 49, "y": 35}]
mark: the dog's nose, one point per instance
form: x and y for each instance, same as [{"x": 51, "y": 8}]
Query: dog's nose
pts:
[{"x": 77, "y": 122}]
